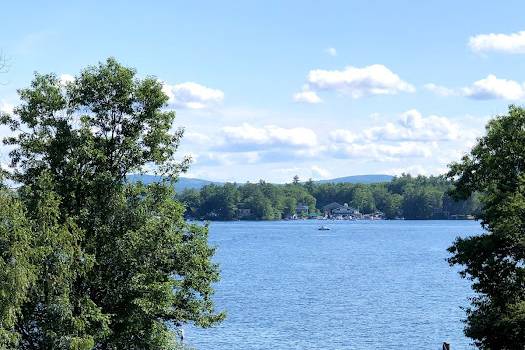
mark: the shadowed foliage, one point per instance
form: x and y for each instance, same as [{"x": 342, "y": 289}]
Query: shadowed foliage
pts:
[
  {"x": 100, "y": 263},
  {"x": 494, "y": 261}
]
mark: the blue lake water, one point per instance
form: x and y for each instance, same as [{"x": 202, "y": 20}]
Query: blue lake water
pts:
[{"x": 361, "y": 285}]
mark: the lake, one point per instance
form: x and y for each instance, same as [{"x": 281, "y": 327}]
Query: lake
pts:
[{"x": 361, "y": 285}]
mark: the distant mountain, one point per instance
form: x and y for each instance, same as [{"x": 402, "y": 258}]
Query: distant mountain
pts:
[
  {"x": 359, "y": 179},
  {"x": 191, "y": 183},
  {"x": 182, "y": 183}
]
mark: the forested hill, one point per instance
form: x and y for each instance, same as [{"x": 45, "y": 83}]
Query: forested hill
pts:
[
  {"x": 405, "y": 196},
  {"x": 359, "y": 179},
  {"x": 184, "y": 183}
]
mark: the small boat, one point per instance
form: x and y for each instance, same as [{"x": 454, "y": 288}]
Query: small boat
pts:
[{"x": 324, "y": 228}]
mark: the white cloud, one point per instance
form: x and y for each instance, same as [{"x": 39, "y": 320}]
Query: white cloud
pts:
[
  {"x": 66, "y": 78},
  {"x": 492, "y": 87},
  {"x": 342, "y": 136},
  {"x": 192, "y": 95},
  {"x": 487, "y": 88},
  {"x": 415, "y": 170},
  {"x": 359, "y": 82},
  {"x": 507, "y": 43},
  {"x": 307, "y": 97},
  {"x": 196, "y": 137},
  {"x": 246, "y": 137},
  {"x": 412, "y": 126},
  {"x": 331, "y": 51},
  {"x": 409, "y": 138},
  {"x": 382, "y": 152},
  {"x": 319, "y": 173},
  {"x": 224, "y": 159},
  {"x": 6, "y": 107},
  {"x": 440, "y": 90}
]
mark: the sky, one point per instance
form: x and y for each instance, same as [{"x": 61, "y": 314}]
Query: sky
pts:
[{"x": 272, "y": 89}]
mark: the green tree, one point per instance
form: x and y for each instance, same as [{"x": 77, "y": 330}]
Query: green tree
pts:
[
  {"x": 17, "y": 270},
  {"x": 388, "y": 203},
  {"x": 363, "y": 199},
  {"x": 310, "y": 186},
  {"x": 55, "y": 315},
  {"x": 421, "y": 202},
  {"x": 123, "y": 265},
  {"x": 494, "y": 260},
  {"x": 192, "y": 201},
  {"x": 289, "y": 205}
]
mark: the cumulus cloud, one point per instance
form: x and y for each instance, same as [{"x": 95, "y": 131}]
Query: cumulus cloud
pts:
[
  {"x": 487, "y": 88},
  {"x": 440, "y": 90},
  {"x": 224, "y": 159},
  {"x": 6, "y": 107},
  {"x": 196, "y": 137},
  {"x": 307, "y": 96},
  {"x": 382, "y": 152},
  {"x": 411, "y": 135},
  {"x": 513, "y": 43},
  {"x": 359, "y": 82},
  {"x": 492, "y": 87},
  {"x": 415, "y": 170},
  {"x": 342, "y": 136},
  {"x": 331, "y": 51},
  {"x": 66, "y": 78},
  {"x": 191, "y": 95},
  {"x": 249, "y": 137},
  {"x": 319, "y": 173},
  {"x": 412, "y": 126}
]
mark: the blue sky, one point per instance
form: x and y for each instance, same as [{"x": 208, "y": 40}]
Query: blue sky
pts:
[{"x": 270, "y": 89}]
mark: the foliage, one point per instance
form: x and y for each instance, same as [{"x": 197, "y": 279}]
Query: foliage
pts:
[
  {"x": 17, "y": 273},
  {"x": 108, "y": 264},
  {"x": 405, "y": 196},
  {"x": 494, "y": 261}
]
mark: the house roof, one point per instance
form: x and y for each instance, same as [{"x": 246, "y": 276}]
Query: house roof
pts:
[
  {"x": 345, "y": 210},
  {"x": 332, "y": 206}
]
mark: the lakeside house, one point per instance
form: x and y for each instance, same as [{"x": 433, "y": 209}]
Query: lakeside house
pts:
[
  {"x": 301, "y": 209},
  {"x": 340, "y": 210}
]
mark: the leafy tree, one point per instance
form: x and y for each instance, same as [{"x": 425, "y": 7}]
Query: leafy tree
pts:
[
  {"x": 192, "y": 201},
  {"x": 386, "y": 202},
  {"x": 118, "y": 264},
  {"x": 421, "y": 202},
  {"x": 260, "y": 206},
  {"x": 494, "y": 260},
  {"x": 470, "y": 206},
  {"x": 289, "y": 206},
  {"x": 55, "y": 315},
  {"x": 295, "y": 180},
  {"x": 219, "y": 202},
  {"x": 17, "y": 271},
  {"x": 363, "y": 199},
  {"x": 310, "y": 186}
]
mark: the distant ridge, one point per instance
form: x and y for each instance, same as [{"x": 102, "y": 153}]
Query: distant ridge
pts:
[
  {"x": 182, "y": 183},
  {"x": 187, "y": 183},
  {"x": 359, "y": 179}
]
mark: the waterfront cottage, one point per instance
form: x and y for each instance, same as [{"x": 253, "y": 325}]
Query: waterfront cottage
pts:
[
  {"x": 301, "y": 209},
  {"x": 335, "y": 209},
  {"x": 327, "y": 209}
]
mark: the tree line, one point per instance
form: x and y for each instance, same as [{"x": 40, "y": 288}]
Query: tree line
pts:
[{"x": 406, "y": 196}]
